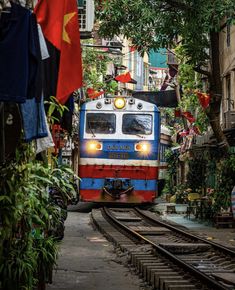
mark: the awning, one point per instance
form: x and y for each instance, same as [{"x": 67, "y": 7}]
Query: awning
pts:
[{"x": 166, "y": 99}]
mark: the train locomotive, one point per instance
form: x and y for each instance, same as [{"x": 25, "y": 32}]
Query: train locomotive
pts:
[{"x": 119, "y": 150}]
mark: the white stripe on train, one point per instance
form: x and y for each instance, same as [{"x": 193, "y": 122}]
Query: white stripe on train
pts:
[{"x": 127, "y": 162}]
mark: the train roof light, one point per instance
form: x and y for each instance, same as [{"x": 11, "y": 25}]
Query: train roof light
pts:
[
  {"x": 119, "y": 103},
  {"x": 131, "y": 101},
  {"x": 107, "y": 101}
]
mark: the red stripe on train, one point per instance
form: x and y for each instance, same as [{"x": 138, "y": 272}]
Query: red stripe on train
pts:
[
  {"x": 137, "y": 196},
  {"x": 118, "y": 171}
]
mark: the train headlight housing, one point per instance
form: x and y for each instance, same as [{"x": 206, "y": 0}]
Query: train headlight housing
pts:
[
  {"x": 93, "y": 146},
  {"x": 119, "y": 103},
  {"x": 143, "y": 147}
]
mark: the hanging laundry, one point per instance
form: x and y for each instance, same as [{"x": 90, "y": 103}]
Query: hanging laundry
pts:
[
  {"x": 33, "y": 115},
  {"x": 19, "y": 74},
  {"x": 43, "y": 45},
  {"x": 35, "y": 62},
  {"x": 46, "y": 142}
]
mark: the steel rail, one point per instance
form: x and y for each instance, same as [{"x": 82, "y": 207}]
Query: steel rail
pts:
[
  {"x": 198, "y": 274},
  {"x": 216, "y": 245}
]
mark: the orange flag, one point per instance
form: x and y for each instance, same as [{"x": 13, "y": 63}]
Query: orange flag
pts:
[
  {"x": 59, "y": 22},
  {"x": 123, "y": 78}
]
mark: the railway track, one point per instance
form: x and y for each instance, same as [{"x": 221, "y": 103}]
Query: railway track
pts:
[{"x": 166, "y": 257}]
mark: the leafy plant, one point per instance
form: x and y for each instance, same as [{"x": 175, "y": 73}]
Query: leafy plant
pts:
[
  {"x": 27, "y": 248},
  {"x": 172, "y": 163},
  {"x": 225, "y": 183}
]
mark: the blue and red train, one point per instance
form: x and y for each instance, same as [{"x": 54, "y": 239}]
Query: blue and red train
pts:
[{"x": 119, "y": 150}]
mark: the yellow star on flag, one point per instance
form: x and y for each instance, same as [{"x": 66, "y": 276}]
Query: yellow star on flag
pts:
[{"x": 67, "y": 18}]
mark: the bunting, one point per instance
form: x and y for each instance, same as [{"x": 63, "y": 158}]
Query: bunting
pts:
[
  {"x": 92, "y": 94},
  {"x": 123, "y": 78},
  {"x": 204, "y": 99},
  {"x": 189, "y": 117}
]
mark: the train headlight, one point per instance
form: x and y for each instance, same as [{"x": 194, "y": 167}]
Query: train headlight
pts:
[
  {"x": 119, "y": 103},
  {"x": 143, "y": 147},
  {"x": 93, "y": 146}
]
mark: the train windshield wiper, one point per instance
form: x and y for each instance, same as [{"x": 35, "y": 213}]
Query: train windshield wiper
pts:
[
  {"x": 139, "y": 135},
  {"x": 90, "y": 129}
]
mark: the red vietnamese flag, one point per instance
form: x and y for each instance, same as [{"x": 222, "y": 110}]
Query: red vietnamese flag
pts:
[
  {"x": 123, "y": 78},
  {"x": 204, "y": 99},
  {"x": 59, "y": 22}
]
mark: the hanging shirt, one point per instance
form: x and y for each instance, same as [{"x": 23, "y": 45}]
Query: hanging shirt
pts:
[{"x": 18, "y": 55}]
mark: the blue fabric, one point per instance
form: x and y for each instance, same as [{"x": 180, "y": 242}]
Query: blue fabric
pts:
[
  {"x": 34, "y": 121},
  {"x": 17, "y": 54}
]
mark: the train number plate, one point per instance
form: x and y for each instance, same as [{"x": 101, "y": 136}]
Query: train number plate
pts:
[{"x": 121, "y": 155}]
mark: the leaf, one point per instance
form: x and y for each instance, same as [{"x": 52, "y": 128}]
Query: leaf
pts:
[{"x": 5, "y": 198}]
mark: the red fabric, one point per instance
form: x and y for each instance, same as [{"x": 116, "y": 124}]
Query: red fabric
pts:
[
  {"x": 132, "y": 48},
  {"x": 123, "y": 78},
  {"x": 184, "y": 133},
  {"x": 92, "y": 94},
  {"x": 177, "y": 113},
  {"x": 189, "y": 117},
  {"x": 204, "y": 99},
  {"x": 59, "y": 22}
]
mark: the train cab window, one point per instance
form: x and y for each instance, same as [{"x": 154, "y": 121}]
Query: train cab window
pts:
[
  {"x": 137, "y": 124},
  {"x": 100, "y": 123}
]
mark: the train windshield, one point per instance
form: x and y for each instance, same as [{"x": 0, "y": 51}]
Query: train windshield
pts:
[
  {"x": 137, "y": 124},
  {"x": 100, "y": 123}
]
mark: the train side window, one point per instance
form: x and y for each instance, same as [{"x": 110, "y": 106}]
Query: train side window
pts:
[
  {"x": 100, "y": 123},
  {"x": 137, "y": 124}
]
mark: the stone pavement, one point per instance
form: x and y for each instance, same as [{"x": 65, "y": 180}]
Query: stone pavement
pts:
[
  {"x": 87, "y": 261},
  {"x": 223, "y": 236}
]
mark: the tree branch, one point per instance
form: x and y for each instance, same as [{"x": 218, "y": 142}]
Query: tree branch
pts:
[
  {"x": 202, "y": 71},
  {"x": 178, "y": 4}
]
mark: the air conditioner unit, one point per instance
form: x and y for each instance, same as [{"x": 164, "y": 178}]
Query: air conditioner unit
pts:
[{"x": 86, "y": 11}]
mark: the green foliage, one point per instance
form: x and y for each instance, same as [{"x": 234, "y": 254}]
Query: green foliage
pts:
[
  {"x": 54, "y": 109},
  {"x": 196, "y": 177},
  {"x": 94, "y": 70},
  {"x": 225, "y": 183},
  {"x": 27, "y": 251},
  {"x": 157, "y": 24},
  {"x": 172, "y": 164}
]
